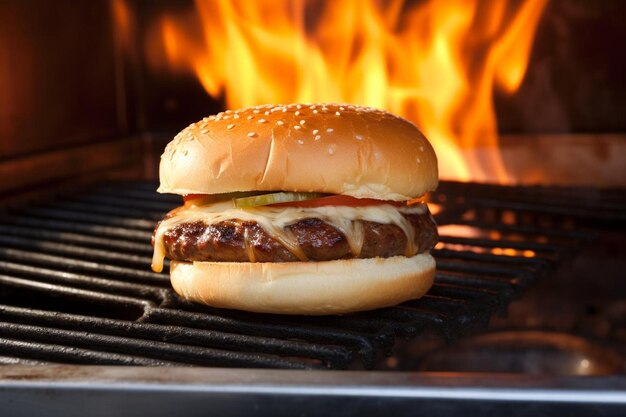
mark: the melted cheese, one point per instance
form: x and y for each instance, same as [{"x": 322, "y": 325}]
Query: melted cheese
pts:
[{"x": 274, "y": 220}]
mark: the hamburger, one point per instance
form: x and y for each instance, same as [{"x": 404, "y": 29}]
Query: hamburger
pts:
[{"x": 299, "y": 209}]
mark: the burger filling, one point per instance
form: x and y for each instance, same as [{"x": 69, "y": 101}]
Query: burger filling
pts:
[{"x": 221, "y": 232}]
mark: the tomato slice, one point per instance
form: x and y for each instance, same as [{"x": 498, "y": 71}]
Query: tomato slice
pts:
[
  {"x": 338, "y": 200},
  {"x": 190, "y": 197},
  {"x": 417, "y": 200}
]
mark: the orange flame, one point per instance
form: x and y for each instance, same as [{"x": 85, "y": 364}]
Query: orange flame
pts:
[{"x": 433, "y": 62}]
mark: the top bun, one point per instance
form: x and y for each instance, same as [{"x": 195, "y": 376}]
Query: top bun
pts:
[{"x": 330, "y": 148}]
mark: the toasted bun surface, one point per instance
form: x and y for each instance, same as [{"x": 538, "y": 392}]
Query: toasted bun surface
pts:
[
  {"x": 331, "y": 148},
  {"x": 313, "y": 288}
]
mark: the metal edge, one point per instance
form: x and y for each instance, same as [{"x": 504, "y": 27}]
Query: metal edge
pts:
[
  {"x": 69, "y": 390},
  {"x": 333, "y": 383}
]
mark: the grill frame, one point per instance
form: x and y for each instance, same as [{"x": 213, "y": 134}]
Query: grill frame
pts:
[
  {"x": 137, "y": 389},
  {"x": 66, "y": 260}
]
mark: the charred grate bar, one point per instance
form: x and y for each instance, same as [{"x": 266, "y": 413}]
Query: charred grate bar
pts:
[{"x": 76, "y": 287}]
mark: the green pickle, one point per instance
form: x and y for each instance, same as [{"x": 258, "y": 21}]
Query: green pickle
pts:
[{"x": 273, "y": 198}]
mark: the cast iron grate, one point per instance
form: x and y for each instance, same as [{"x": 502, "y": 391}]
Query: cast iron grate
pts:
[{"x": 76, "y": 287}]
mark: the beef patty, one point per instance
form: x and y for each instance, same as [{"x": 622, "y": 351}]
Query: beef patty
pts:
[{"x": 239, "y": 241}]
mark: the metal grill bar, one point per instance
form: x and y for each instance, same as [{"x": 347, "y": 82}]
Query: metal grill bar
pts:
[
  {"x": 90, "y": 218},
  {"x": 74, "y": 251},
  {"x": 581, "y": 203},
  {"x": 91, "y": 230},
  {"x": 67, "y": 263},
  {"x": 76, "y": 286},
  {"x": 363, "y": 345},
  {"x": 152, "y": 349},
  {"x": 69, "y": 354},
  {"x": 183, "y": 335},
  {"x": 77, "y": 240}
]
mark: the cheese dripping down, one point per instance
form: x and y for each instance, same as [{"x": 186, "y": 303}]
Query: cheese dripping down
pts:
[{"x": 275, "y": 220}]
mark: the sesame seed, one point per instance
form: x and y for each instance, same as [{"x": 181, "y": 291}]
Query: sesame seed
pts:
[
  {"x": 342, "y": 108},
  {"x": 236, "y": 116},
  {"x": 317, "y": 137},
  {"x": 204, "y": 131},
  {"x": 280, "y": 123},
  {"x": 359, "y": 137},
  {"x": 419, "y": 160},
  {"x": 297, "y": 113},
  {"x": 251, "y": 134},
  {"x": 331, "y": 151},
  {"x": 300, "y": 141},
  {"x": 315, "y": 111},
  {"x": 315, "y": 131},
  {"x": 298, "y": 106},
  {"x": 297, "y": 127},
  {"x": 262, "y": 121},
  {"x": 324, "y": 108},
  {"x": 337, "y": 113},
  {"x": 266, "y": 113},
  {"x": 421, "y": 148},
  {"x": 256, "y": 111},
  {"x": 284, "y": 109},
  {"x": 250, "y": 117},
  {"x": 302, "y": 122},
  {"x": 230, "y": 126},
  {"x": 330, "y": 130}
]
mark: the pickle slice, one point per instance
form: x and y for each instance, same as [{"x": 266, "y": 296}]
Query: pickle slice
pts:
[
  {"x": 274, "y": 198},
  {"x": 206, "y": 199}
]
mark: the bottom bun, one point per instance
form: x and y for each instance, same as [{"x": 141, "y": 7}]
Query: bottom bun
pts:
[{"x": 313, "y": 288}]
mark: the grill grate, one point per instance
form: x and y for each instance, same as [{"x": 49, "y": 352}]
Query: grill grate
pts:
[{"x": 75, "y": 283}]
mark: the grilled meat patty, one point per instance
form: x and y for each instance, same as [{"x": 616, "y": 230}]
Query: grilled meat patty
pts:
[{"x": 245, "y": 241}]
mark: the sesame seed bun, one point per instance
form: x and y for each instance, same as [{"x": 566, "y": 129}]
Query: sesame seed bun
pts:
[
  {"x": 330, "y": 148},
  {"x": 312, "y": 288}
]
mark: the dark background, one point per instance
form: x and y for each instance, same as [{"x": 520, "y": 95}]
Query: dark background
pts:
[{"x": 576, "y": 79}]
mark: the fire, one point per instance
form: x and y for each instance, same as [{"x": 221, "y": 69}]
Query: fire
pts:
[{"x": 436, "y": 63}]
